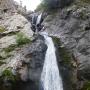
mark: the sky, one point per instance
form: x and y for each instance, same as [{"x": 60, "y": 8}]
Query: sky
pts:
[{"x": 30, "y": 4}]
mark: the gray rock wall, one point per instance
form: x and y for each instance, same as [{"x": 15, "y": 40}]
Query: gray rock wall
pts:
[{"x": 72, "y": 26}]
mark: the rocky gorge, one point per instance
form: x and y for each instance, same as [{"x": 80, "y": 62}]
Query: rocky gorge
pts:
[{"x": 22, "y": 54}]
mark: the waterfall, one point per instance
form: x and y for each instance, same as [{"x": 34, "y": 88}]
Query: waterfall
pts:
[
  {"x": 50, "y": 77},
  {"x": 39, "y": 19}
]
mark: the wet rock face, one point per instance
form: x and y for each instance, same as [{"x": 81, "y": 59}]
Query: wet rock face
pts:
[
  {"x": 34, "y": 58},
  {"x": 71, "y": 25},
  {"x": 37, "y": 53}
]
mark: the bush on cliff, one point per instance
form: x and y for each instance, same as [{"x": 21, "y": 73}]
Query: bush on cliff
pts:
[{"x": 21, "y": 39}]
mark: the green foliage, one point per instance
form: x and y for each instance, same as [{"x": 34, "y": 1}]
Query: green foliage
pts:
[
  {"x": 51, "y": 3},
  {"x": 3, "y": 57},
  {"x": 86, "y": 86},
  {"x": 10, "y": 48},
  {"x": 8, "y": 77},
  {"x": 2, "y": 29},
  {"x": 41, "y": 7},
  {"x": 48, "y": 5},
  {"x": 86, "y": 1},
  {"x": 1, "y": 60},
  {"x": 22, "y": 39},
  {"x": 8, "y": 74}
]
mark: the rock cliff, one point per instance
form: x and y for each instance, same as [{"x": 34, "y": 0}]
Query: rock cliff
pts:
[{"x": 72, "y": 26}]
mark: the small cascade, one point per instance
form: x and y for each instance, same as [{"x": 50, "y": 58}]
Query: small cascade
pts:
[
  {"x": 50, "y": 77},
  {"x": 39, "y": 19}
]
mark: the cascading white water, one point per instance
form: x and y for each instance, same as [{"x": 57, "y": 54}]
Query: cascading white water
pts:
[{"x": 50, "y": 78}]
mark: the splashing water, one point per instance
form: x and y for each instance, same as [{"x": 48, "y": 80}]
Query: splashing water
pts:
[{"x": 50, "y": 78}]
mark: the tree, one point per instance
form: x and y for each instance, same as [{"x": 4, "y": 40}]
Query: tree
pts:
[
  {"x": 51, "y": 3},
  {"x": 56, "y": 3}
]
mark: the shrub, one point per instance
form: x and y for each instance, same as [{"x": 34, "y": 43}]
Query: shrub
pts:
[
  {"x": 8, "y": 74},
  {"x": 41, "y": 7},
  {"x": 22, "y": 39},
  {"x": 54, "y": 4}
]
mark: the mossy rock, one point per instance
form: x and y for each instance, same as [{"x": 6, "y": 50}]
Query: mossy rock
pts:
[
  {"x": 4, "y": 56},
  {"x": 21, "y": 39},
  {"x": 2, "y": 29},
  {"x": 8, "y": 80},
  {"x": 8, "y": 75},
  {"x": 63, "y": 52},
  {"x": 1, "y": 63},
  {"x": 10, "y": 48},
  {"x": 1, "y": 60},
  {"x": 65, "y": 64}
]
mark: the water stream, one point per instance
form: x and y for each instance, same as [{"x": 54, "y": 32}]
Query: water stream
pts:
[{"x": 50, "y": 76}]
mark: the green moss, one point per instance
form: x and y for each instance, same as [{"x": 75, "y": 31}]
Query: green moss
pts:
[
  {"x": 3, "y": 57},
  {"x": 21, "y": 39},
  {"x": 7, "y": 77},
  {"x": 63, "y": 52},
  {"x": 56, "y": 40},
  {"x": 86, "y": 86},
  {"x": 1, "y": 60},
  {"x": 10, "y": 48},
  {"x": 2, "y": 29},
  {"x": 8, "y": 74}
]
